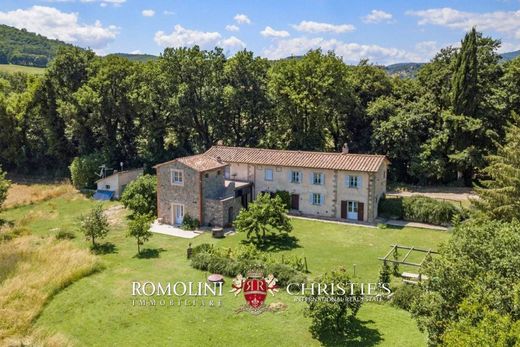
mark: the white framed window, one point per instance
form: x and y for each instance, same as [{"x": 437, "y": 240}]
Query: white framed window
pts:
[
  {"x": 316, "y": 199},
  {"x": 353, "y": 181},
  {"x": 296, "y": 177},
  {"x": 177, "y": 177},
  {"x": 318, "y": 178},
  {"x": 268, "y": 174}
]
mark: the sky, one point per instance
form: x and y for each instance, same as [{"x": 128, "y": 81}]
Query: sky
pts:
[{"x": 383, "y": 31}]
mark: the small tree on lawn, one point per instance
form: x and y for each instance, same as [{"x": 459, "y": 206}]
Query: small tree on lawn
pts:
[
  {"x": 264, "y": 215},
  {"x": 139, "y": 228},
  {"x": 94, "y": 225},
  {"x": 4, "y": 187},
  {"x": 140, "y": 196},
  {"x": 332, "y": 315}
]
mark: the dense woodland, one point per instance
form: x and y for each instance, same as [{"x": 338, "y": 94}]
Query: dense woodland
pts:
[{"x": 437, "y": 127}]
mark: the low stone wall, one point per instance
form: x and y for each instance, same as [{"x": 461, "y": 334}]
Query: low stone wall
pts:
[{"x": 216, "y": 212}]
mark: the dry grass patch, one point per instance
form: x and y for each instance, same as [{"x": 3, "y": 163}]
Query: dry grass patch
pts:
[
  {"x": 24, "y": 194},
  {"x": 35, "y": 270}
]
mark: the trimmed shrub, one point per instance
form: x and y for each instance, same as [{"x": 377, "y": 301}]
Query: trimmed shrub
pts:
[
  {"x": 189, "y": 223},
  {"x": 428, "y": 210},
  {"x": 405, "y": 295},
  {"x": 419, "y": 208},
  {"x": 391, "y": 208}
]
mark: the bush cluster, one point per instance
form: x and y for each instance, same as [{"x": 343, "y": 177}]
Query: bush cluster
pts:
[
  {"x": 419, "y": 208},
  {"x": 231, "y": 262},
  {"x": 405, "y": 295},
  {"x": 285, "y": 196},
  {"x": 190, "y": 223}
]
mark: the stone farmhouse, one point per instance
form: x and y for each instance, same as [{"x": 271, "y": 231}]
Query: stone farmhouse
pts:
[{"x": 215, "y": 185}]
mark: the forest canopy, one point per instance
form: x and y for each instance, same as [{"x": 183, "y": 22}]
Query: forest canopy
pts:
[{"x": 436, "y": 128}]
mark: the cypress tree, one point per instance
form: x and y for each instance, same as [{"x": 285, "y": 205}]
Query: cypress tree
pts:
[{"x": 464, "y": 80}]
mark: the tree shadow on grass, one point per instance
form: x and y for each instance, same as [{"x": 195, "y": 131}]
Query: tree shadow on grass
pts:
[
  {"x": 149, "y": 253},
  {"x": 358, "y": 335},
  {"x": 104, "y": 248},
  {"x": 275, "y": 243}
]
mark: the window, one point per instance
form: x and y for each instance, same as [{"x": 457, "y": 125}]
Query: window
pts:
[
  {"x": 206, "y": 175},
  {"x": 107, "y": 187},
  {"x": 177, "y": 177},
  {"x": 317, "y": 199},
  {"x": 218, "y": 173},
  {"x": 318, "y": 178},
  {"x": 296, "y": 177},
  {"x": 353, "y": 181},
  {"x": 227, "y": 172},
  {"x": 268, "y": 174}
]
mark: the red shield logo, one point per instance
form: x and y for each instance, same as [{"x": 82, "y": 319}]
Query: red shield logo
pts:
[
  {"x": 255, "y": 288},
  {"x": 255, "y": 291}
]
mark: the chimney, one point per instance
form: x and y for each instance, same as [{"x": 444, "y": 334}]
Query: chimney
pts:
[
  {"x": 344, "y": 150},
  {"x": 219, "y": 159}
]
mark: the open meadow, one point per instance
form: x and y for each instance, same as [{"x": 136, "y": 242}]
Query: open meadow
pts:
[{"x": 90, "y": 302}]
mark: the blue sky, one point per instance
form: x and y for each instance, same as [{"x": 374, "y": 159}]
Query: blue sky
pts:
[{"x": 382, "y": 31}]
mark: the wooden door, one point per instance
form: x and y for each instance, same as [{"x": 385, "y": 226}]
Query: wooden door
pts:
[
  {"x": 295, "y": 201},
  {"x": 361, "y": 211},
  {"x": 344, "y": 209}
]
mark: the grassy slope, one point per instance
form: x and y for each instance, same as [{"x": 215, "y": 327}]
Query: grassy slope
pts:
[
  {"x": 10, "y": 68},
  {"x": 97, "y": 310}
]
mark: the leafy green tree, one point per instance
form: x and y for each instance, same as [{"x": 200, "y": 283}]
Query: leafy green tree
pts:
[
  {"x": 263, "y": 215},
  {"x": 94, "y": 225},
  {"x": 4, "y": 187},
  {"x": 475, "y": 266},
  {"x": 500, "y": 197},
  {"x": 245, "y": 100},
  {"x": 139, "y": 228},
  {"x": 332, "y": 314},
  {"x": 140, "y": 195},
  {"x": 84, "y": 170}
]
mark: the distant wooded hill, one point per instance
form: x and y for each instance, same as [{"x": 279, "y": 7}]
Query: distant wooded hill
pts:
[{"x": 21, "y": 47}]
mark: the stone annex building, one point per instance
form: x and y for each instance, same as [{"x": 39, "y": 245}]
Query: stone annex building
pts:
[{"x": 215, "y": 185}]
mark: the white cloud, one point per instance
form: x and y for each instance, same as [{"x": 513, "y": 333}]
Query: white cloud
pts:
[
  {"x": 168, "y": 13},
  {"x": 53, "y": 23},
  {"x": 137, "y": 51},
  {"x": 270, "y": 32},
  {"x": 232, "y": 42},
  {"x": 182, "y": 37},
  {"x": 148, "y": 13},
  {"x": 350, "y": 52},
  {"x": 505, "y": 22},
  {"x": 315, "y": 27},
  {"x": 232, "y": 27},
  {"x": 104, "y": 3},
  {"x": 242, "y": 19},
  {"x": 378, "y": 16}
]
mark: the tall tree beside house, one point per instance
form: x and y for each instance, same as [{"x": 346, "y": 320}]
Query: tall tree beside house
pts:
[
  {"x": 500, "y": 197},
  {"x": 264, "y": 215},
  {"x": 139, "y": 228},
  {"x": 94, "y": 225},
  {"x": 140, "y": 196},
  {"x": 246, "y": 102}
]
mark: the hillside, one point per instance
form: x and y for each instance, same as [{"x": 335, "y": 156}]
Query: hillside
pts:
[
  {"x": 21, "y": 47},
  {"x": 510, "y": 55},
  {"x": 141, "y": 58},
  {"x": 403, "y": 69},
  {"x": 10, "y": 68}
]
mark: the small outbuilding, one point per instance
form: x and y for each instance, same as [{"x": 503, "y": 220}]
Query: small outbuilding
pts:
[{"x": 113, "y": 186}]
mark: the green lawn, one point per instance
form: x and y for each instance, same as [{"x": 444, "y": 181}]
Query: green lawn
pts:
[
  {"x": 20, "y": 68},
  {"x": 97, "y": 310}
]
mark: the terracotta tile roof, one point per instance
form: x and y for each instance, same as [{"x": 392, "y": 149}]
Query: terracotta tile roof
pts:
[
  {"x": 199, "y": 162},
  {"x": 314, "y": 160}
]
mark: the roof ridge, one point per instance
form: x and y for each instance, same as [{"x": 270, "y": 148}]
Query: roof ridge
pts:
[{"x": 293, "y": 151}]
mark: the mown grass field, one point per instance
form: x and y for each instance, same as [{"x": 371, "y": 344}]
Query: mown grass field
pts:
[
  {"x": 97, "y": 310},
  {"x": 10, "y": 68}
]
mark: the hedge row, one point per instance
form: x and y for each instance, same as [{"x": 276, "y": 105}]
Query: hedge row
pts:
[
  {"x": 418, "y": 208},
  {"x": 206, "y": 258}
]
